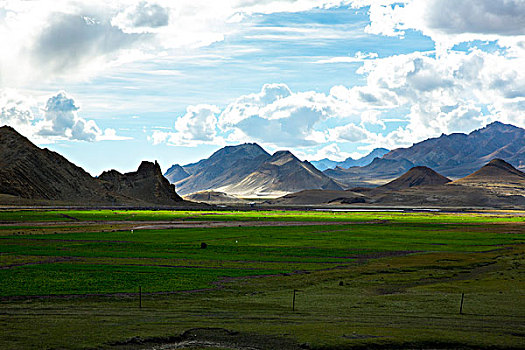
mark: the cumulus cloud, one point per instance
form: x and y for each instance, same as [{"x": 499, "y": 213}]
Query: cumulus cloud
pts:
[
  {"x": 449, "y": 22},
  {"x": 454, "y": 92},
  {"x": 143, "y": 17},
  {"x": 59, "y": 121},
  {"x": 278, "y": 116},
  {"x": 197, "y": 126}
]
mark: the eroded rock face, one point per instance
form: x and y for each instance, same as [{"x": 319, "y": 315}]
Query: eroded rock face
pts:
[{"x": 147, "y": 184}]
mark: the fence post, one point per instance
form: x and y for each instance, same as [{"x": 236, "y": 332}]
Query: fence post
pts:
[
  {"x": 140, "y": 297},
  {"x": 461, "y": 305},
  {"x": 293, "y": 302}
]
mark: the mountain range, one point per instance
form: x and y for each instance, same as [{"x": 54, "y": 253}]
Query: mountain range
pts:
[
  {"x": 454, "y": 156},
  {"x": 326, "y": 163},
  {"x": 29, "y": 174},
  {"x": 248, "y": 170},
  {"x": 496, "y": 185}
]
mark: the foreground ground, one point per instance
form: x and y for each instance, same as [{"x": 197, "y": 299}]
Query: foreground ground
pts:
[{"x": 71, "y": 279}]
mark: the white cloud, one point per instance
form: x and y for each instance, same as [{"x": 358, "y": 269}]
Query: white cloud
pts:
[
  {"x": 349, "y": 133},
  {"x": 278, "y": 116},
  {"x": 143, "y": 17},
  {"x": 330, "y": 151},
  {"x": 58, "y": 39},
  {"x": 197, "y": 126},
  {"x": 358, "y": 57},
  {"x": 60, "y": 119},
  {"x": 454, "y": 92},
  {"x": 449, "y": 22}
]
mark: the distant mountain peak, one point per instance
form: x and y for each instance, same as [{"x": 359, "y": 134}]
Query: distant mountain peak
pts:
[
  {"x": 283, "y": 153},
  {"x": 149, "y": 167}
]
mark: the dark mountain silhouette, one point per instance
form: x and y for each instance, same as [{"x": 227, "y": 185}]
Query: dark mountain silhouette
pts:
[
  {"x": 146, "y": 184},
  {"x": 417, "y": 176},
  {"x": 30, "y": 173},
  {"x": 326, "y": 163}
]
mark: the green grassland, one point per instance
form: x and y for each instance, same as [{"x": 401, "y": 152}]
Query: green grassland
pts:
[{"x": 70, "y": 279}]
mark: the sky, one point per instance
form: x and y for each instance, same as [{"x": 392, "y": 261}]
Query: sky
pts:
[{"x": 108, "y": 84}]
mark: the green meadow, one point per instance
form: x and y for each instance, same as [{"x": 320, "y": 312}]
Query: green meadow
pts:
[{"x": 70, "y": 279}]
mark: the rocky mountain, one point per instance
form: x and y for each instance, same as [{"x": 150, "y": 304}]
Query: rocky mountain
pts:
[
  {"x": 417, "y": 176},
  {"x": 147, "y": 184},
  {"x": 326, "y": 163},
  {"x": 29, "y": 174},
  {"x": 455, "y": 156},
  {"x": 248, "y": 170},
  {"x": 458, "y": 155},
  {"x": 279, "y": 174},
  {"x": 228, "y": 165}
]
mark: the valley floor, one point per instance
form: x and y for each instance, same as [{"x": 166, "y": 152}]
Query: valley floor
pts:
[{"x": 77, "y": 279}]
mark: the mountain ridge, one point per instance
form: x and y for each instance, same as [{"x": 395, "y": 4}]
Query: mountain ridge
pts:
[{"x": 29, "y": 173}]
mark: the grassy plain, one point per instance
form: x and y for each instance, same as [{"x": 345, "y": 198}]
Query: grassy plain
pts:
[{"x": 70, "y": 279}]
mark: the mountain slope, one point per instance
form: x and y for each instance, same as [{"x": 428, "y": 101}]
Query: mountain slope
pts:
[
  {"x": 281, "y": 173},
  {"x": 458, "y": 155},
  {"x": 30, "y": 172},
  {"x": 326, "y": 163}
]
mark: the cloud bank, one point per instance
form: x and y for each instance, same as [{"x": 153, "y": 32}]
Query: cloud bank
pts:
[{"x": 58, "y": 120}]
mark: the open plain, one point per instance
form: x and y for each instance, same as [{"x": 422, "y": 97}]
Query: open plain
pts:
[{"x": 261, "y": 279}]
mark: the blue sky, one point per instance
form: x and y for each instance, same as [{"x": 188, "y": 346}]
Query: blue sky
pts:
[{"x": 109, "y": 85}]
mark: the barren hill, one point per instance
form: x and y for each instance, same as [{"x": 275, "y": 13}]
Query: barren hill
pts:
[
  {"x": 321, "y": 197},
  {"x": 417, "y": 176},
  {"x": 498, "y": 176},
  {"x": 378, "y": 172}
]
